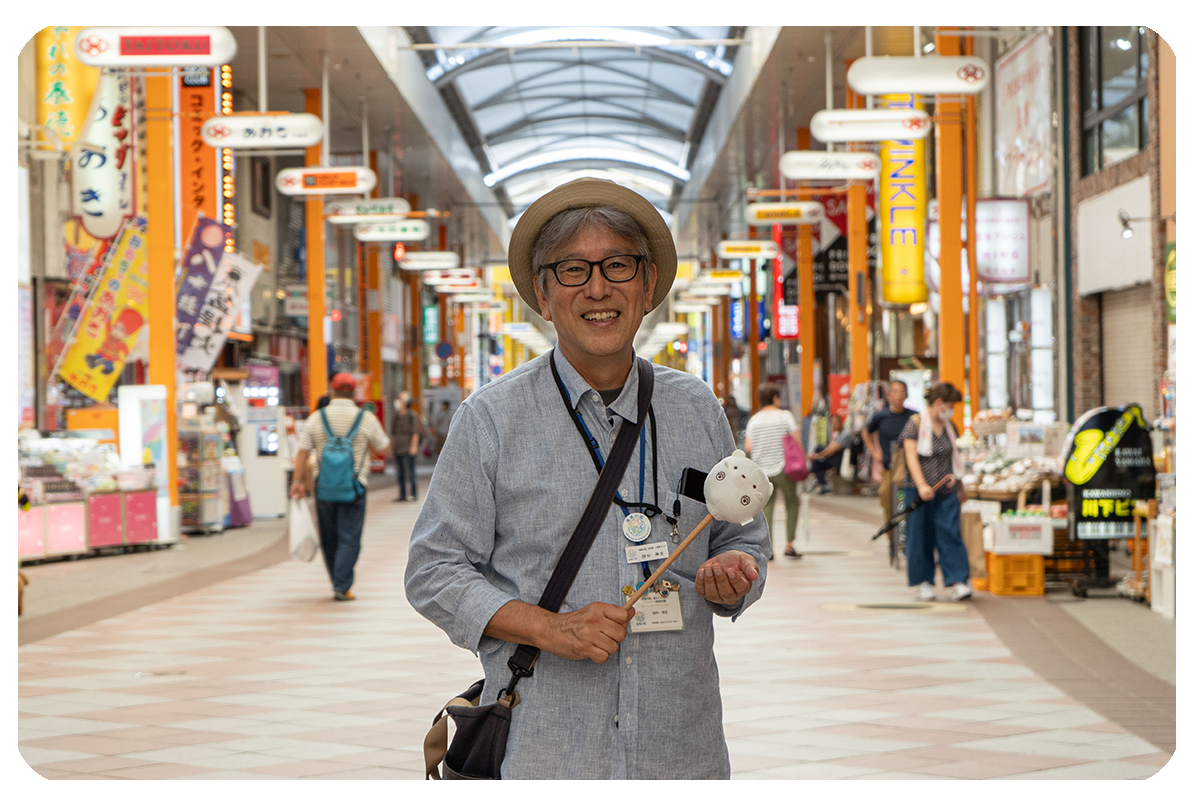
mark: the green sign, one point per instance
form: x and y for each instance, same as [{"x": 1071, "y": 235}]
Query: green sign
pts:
[
  {"x": 429, "y": 319},
  {"x": 1170, "y": 282}
]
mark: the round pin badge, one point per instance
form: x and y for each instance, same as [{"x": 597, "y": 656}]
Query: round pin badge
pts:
[{"x": 636, "y": 527}]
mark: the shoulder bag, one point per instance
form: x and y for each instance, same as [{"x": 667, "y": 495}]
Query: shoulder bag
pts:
[
  {"x": 481, "y": 732},
  {"x": 795, "y": 463}
]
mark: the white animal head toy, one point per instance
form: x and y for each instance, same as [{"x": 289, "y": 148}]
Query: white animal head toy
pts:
[{"x": 736, "y": 489}]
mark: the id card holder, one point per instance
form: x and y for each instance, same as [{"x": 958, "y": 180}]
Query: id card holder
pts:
[{"x": 653, "y": 612}]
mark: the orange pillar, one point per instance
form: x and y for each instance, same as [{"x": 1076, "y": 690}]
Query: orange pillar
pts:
[
  {"x": 808, "y": 326},
  {"x": 752, "y": 331},
  {"x": 856, "y": 245},
  {"x": 417, "y": 340},
  {"x": 314, "y": 234},
  {"x": 160, "y": 248},
  {"x": 376, "y": 286},
  {"x": 971, "y": 170},
  {"x": 950, "y": 196},
  {"x": 460, "y": 328}
]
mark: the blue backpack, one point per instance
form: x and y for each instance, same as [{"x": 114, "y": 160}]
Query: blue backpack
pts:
[{"x": 337, "y": 480}]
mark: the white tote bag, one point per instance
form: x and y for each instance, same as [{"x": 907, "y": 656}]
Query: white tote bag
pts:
[{"x": 302, "y": 534}]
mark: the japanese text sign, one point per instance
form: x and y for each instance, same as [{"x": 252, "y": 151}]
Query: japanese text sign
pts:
[
  {"x": 1023, "y": 123},
  {"x": 64, "y": 84},
  {"x": 197, "y": 272},
  {"x": 234, "y": 278},
  {"x": 102, "y": 160}
]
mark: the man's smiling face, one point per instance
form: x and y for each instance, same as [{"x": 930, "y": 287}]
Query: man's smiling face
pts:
[{"x": 596, "y": 322}]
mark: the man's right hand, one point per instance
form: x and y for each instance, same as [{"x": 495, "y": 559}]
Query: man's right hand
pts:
[{"x": 594, "y": 631}]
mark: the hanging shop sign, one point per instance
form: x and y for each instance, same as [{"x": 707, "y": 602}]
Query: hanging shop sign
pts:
[
  {"x": 870, "y": 124},
  {"x": 450, "y": 276},
  {"x": 280, "y": 129},
  {"x": 822, "y": 165},
  {"x": 1169, "y": 281},
  {"x": 113, "y": 319},
  {"x": 234, "y": 278},
  {"x": 295, "y": 300},
  {"x": 831, "y": 256},
  {"x": 348, "y": 211},
  {"x": 430, "y": 259},
  {"x": 206, "y": 247},
  {"x": 155, "y": 47},
  {"x": 876, "y": 75},
  {"x": 902, "y": 203},
  {"x": 718, "y": 276},
  {"x": 81, "y": 292},
  {"x": 409, "y": 230},
  {"x": 751, "y": 248},
  {"x": 102, "y": 159},
  {"x": 65, "y": 84},
  {"x": 802, "y": 213},
  {"x": 786, "y": 319},
  {"x": 325, "y": 180},
  {"x": 488, "y": 306},
  {"x": 458, "y": 288},
  {"x": 1024, "y": 123},
  {"x": 1002, "y": 235},
  {"x": 200, "y": 163},
  {"x": 1108, "y": 463},
  {"x": 737, "y": 319}
]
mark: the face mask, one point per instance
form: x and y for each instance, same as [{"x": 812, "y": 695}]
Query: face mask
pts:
[{"x": 946, "y": 414}]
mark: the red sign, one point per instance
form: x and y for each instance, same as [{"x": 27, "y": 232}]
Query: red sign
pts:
[
  {"x": 839, "y": 395},
  {"x": 164, "y": 45},
  {"x": 786, "y": 321}
]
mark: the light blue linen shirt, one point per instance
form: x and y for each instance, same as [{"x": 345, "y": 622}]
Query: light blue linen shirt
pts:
[{"x": 509, "y": 488}]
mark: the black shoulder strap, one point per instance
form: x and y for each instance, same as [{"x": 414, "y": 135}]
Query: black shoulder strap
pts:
[{"x": 577, "y": 548}]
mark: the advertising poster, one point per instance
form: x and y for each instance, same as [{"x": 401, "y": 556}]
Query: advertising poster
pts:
[
  {"x": 234, "y": 278},
  {"x": 24, "y": 357},
  {"x": 199, "y": 163},
  {"x": 1109, "y": 466},
  {"x": 206, "y": 247},
  {"x": 81, "y": 292},
  {"x": 65, "y": 85},
  {"x": 1023, "y": 118},
  {"x": 902, "y": 205},
  {"x": 112, "y": 320},
  {"x": 786, "y": 316},
  {"x": 831, "y": 253},
  {"x": 154, "y": 432},
  {"x": 102, "y": 160}
]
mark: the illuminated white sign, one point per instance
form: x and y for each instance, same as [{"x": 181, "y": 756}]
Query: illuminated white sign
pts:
[
  {"x": 376, "y": 209},
  {"x": 244, "y": 131},
  {"x": 325, "y": 180},
  {"x": 431, "y": 259},
  {"x": 747, "y": 249},
  {"x": 821, "y": 165},
  {"x": 912, "y": 75},
  {"x": 870, "y": 125},
  {"x": 155, "y": 47},
  {"x": 409, "y": 230},
  {"x": 451, "y": 276},
  {"x": 804, "y": 213}
]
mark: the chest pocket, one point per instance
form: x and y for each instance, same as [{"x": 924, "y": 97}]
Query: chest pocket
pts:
[{"x": 691, "y": 513}]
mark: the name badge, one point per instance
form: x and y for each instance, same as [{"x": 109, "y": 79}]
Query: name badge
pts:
[
  {"x": 636, "y": 527},
  {"x": 635, "y": 554},
  {"x": 657, "y": 613}
]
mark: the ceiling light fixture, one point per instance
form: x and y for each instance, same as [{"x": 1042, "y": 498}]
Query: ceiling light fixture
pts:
[{"x": 1127, "y": 230}]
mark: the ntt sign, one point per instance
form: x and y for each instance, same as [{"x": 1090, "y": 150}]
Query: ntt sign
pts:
[{"x": 155, "y": 47}]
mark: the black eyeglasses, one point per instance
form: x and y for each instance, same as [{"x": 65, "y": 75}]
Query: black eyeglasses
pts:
[{"x": 578, "y": 271}]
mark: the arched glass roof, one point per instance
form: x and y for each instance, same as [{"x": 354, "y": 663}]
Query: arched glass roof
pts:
[{"x": 544, "y": 105}]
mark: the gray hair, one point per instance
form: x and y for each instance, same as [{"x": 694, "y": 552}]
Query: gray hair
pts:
[{"x": 565, "y": 225}]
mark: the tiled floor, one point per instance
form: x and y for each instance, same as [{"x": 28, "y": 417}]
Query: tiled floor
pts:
[{"x": 262, "y": 676}]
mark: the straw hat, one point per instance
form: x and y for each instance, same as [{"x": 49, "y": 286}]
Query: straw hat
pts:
[{"x": 590, "y": 193}]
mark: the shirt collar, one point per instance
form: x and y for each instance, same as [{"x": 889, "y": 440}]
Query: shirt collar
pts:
[{"x": 577, "y": 388}]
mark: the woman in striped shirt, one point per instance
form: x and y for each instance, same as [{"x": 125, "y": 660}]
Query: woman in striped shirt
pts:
[{"x": 764, "y": 446}]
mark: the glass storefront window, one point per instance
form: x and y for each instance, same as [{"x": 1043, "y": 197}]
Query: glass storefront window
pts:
[
  {"x": 1113, "y": 66},
  {"x": 1119, "y": 136}
]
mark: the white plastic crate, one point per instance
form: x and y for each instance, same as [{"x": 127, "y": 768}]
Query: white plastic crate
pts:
[{"x": 1024, "y": 536}]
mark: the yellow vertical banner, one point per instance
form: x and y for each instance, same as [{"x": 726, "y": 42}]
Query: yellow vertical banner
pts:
[
  {"x": 903, "y": 198},
  {"x": 110, "y": 324},
  {"x": 64, "y": 84}
]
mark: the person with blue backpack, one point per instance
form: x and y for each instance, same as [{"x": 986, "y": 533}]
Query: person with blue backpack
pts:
[{"x": 339, "y": 434}]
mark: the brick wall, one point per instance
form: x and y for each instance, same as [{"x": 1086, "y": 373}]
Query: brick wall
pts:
[{"x": 1085, "y": 333}]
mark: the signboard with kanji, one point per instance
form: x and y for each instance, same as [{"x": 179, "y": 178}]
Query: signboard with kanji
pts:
[
  {"x": 102, "y": 159},
  {"x": 64, "y": 84},
  {"x": 241, "y": 131},
  {"x": 234, "y": 278},
  {"x": 196, "y": 274},
  {"x": 1109, "y": 466}
]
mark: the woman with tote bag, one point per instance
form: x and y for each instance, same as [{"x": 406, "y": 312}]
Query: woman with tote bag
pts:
[{"x": 764, "y": 445}]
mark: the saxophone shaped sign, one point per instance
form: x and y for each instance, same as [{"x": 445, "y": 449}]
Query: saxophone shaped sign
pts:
[{"x": 1109, "y": 466}]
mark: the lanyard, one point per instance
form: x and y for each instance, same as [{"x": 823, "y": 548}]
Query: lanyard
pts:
[{"x": 649, "y": 509}]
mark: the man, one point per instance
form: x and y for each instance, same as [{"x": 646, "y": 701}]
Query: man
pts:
[
  {"x": 831, "y": 456},
  {"x": 340, "y": 524},
  {"x": 442, "y": 425},
  {"x": 406, "y": 438},
  {"x": 883, "y": 433},
  {"x": 604, "y": 701}
]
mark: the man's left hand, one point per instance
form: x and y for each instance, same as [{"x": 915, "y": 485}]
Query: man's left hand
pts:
[{"x": 727, "y": 577}]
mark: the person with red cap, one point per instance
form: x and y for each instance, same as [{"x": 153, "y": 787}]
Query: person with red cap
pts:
[
  {"x": 340, "y": 523},
  {"x": 122, "y": 329}
]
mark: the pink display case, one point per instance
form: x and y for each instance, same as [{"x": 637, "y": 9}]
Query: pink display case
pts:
[
  {"x": 141, "y": 516},
  {"x": 66, "y": 528},
  {"x": 31, "y": 533},
  {"x": 104, "y": 527}
]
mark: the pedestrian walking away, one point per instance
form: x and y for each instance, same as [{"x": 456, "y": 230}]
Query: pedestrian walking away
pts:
[
  {"x": 406, "y": 438},
  {"x": 441, "y": 425},
  {"x": 935, "y": 471},
  {"x": 764, "y": 445},
  {"x": 614, "y": 693},
  {"x": 339, "y": 522}
]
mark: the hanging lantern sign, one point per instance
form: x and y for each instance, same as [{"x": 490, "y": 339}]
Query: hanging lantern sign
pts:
[
  {"x": 431, "y": 259},
  {"x": 489, "y": 306},
  {"x": 375, "y": 209},
  {"x": 155, "y": 47},
  {"x": 911, "y": 75},
  {"x": 474, "y": 287},
  {"x": 822, "y": 165},
  {"x": 245, "y": 131},
  {"x": 869, "y": 124},
  {"x": 747, "y": 249},
  {"x": 409, "y": 230},
  {"x": 719, "y": 276},
  {"x": 325, "y": 180},
  {"x": 448, "y": 277},
  {"x": 803, "y": 213}
]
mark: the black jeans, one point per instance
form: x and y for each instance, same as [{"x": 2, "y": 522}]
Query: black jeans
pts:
[
  {"x": 341, "y": 527},
  {"x": 406, "y": 474}
]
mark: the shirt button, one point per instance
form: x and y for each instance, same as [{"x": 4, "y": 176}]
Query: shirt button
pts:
[
  {"x": 628, "y": 659},
  {"x": 617, "y": 718}
]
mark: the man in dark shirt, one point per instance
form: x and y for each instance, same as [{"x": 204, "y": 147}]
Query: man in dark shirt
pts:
[{"x": 883, "y": 433}]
